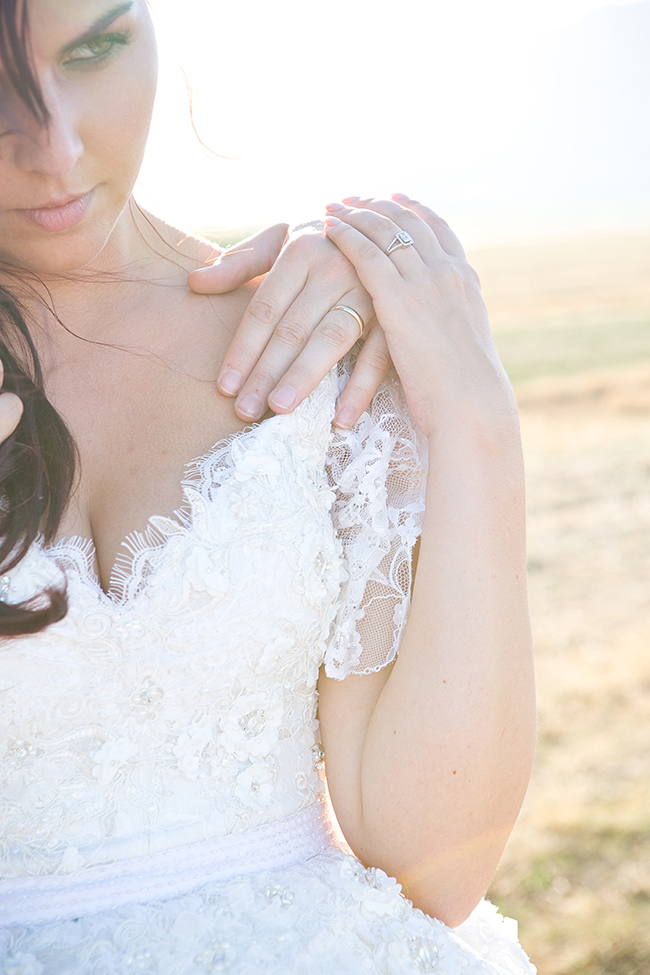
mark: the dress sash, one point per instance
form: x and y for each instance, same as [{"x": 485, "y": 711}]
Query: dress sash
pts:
[{"x": 169, "y": 873}]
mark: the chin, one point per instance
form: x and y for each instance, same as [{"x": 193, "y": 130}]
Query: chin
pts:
[
  {"x": 55, "y": 257},
  {"x": 49, "y": 254}
]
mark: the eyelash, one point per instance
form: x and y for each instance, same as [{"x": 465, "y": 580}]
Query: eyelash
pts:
[{"x": 115, "y": 40}]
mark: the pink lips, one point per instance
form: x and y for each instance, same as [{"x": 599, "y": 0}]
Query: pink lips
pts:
[{"x": 58, "y": 216}]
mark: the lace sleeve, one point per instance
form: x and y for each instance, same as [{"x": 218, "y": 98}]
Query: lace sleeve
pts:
[{"x": 378, "y": 471}]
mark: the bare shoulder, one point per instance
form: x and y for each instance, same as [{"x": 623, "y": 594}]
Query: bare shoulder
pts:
[
  {"x": 179, "y": 252},
  {"x": 190, "y": 249}
]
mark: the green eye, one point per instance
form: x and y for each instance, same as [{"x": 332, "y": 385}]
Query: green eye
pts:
[{"x": 96, "y": 49}]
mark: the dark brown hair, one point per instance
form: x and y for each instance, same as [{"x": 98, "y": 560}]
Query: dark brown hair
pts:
[
  {"x": 37, "y": 462},
  {"x": 15, "y": 56}
]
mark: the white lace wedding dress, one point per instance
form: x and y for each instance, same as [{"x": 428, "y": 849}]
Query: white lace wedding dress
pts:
[{"x": 162, "y": 807}]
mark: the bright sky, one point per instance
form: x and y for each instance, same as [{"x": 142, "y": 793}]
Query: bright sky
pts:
[{"x": 466, "y": 104}]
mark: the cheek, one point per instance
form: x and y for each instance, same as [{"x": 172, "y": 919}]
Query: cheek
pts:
[{"x": 120, "y": 125}]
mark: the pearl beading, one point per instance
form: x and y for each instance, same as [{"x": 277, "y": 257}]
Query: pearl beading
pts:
[{"x": 179, "y": 870}]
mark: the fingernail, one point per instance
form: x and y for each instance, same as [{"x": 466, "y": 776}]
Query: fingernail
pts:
[
  {"x": 400, "y": 196},
  {"x": 335, "y": 206},
  {"x": 230, "y": 382},
  {"x": 350, "y": 199},
  {"x": 284, "y": 397},
  {"x": 344, "y": 417},
  {"x": 250, "y": 405},
  {"x": 331, "y": 221}
]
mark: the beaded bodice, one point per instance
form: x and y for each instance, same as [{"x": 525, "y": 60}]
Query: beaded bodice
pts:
[{"x": 181, "y": 705}]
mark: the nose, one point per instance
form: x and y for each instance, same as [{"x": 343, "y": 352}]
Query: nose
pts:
[{"x": 52, "y": 148}]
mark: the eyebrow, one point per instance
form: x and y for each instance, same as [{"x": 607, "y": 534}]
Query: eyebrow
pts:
[{"x": 105, "y": 21}]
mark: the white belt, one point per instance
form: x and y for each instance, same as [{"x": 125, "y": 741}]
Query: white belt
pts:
[{"x": 33, "y": 900}]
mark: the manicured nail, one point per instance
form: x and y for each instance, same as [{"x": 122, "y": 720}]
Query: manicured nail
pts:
[
  {"x": 344, "y": 417},
  {"x": 230, "y": 382},
  {"x": 331, "y": 221},
  {"x": 284, "y": 397},
  {"x": 400, "y": 196},
  {"x": 250, "y": 405},
  {"x": 335, "y": 206},
  {"x": 350, "y": 199}
]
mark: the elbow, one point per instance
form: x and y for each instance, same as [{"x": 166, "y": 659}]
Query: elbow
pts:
[
  {"x": 452, "y": 908},
  {"x": 450, "y": 898},
  {"x": 447, "y": 882}
]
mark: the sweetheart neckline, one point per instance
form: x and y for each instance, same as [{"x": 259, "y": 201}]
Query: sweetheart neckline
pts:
[{"x": 150, "y": 538}]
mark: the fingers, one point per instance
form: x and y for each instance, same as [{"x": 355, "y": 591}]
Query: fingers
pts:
[
  {"x": 298, "y": 357},
  {"x": 271, "y": 303},
  {"x": 372, "y": 365},
  {"x": 289, "y": 325},
  {"x": 235, "y": 266},
  {"x": 448, "y": 239},
  {"x": 382, "y": 220},
  {"x": 332, "y": 338},
  {"x": 364, "y": 237},
  {"x": 11, "y": 410}
]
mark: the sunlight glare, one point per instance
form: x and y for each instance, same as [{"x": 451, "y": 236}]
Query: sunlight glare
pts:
[{"x": 303, "y": 103}]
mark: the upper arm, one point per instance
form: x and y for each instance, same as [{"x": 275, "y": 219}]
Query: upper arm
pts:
[
  {"x": 377, "y": 471},
  {"x": 345, "y": 709}
]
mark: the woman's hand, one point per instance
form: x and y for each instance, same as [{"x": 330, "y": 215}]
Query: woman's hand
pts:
[
  {"x": 11, "y": 410},
  {"x": 289, "y": 337},
  {"x": 427, "y": 300}
]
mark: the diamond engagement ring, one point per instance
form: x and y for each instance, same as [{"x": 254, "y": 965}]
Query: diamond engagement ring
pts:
[
  {"x": 402, "y": 239},
  {"x": 355, "y": 314}
]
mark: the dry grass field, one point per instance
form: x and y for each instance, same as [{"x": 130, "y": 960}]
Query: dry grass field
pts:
[{"x": 573, "y": 326}]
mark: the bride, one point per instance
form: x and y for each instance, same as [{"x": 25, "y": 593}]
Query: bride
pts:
[{"x": 180, "y": 592}]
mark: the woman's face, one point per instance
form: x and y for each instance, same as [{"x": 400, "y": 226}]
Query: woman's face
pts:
[{"x": 63, "y": 186}]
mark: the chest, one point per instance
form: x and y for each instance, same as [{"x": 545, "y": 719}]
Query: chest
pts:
[{"x": 138, "y": 416}]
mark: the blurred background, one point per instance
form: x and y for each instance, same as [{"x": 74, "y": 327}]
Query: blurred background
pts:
[{"x": 527, "y": 125}]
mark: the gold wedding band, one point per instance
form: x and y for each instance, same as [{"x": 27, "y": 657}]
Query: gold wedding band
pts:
[{"x": 355, "y": 314}]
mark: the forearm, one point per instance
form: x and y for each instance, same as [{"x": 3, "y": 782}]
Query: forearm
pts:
[{"x": 448, "y": 749}]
